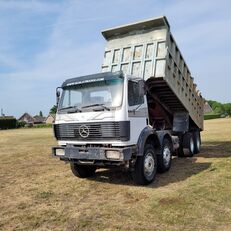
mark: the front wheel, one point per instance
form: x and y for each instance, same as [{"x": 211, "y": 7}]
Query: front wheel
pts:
[
  {"x": 82, "y": 171},
  {"x": 146, "y": 166}
]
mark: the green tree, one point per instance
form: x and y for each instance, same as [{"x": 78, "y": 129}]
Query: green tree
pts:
[
  {"x": 53, "y": 110},
  {"x": 227, "y": 107},
  {"x": 219, "y": 108},
  {"x": 41, "y": 114}
]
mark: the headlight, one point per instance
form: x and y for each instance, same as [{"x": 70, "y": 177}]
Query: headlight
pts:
[
  {"x": 116, "y": 155},
  {"x": 60, "y": 152}
]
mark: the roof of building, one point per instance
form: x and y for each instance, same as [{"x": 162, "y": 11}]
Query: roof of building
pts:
[
  {"x": 52, "y": 115},
  {"x": 39, "y": 119},
  {"x": 27, "y": 116}
]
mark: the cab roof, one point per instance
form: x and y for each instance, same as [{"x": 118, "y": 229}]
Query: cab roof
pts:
[{"x": 91, "y": 78}]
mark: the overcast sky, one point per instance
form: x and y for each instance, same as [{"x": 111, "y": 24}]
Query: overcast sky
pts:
[{"x": 44, "y": 42}]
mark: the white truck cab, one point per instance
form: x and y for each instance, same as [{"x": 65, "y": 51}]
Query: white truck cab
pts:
[{"x": 102, "y": 121}]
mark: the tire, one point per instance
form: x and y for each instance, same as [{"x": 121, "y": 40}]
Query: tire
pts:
[
  {"x": 145, "y": 166},
  {"x": 187, "y": 147},
  {"x": 82, "y": 171},
  {"x": 165, "y": 158},
  {"x": 197, "y": 142}
]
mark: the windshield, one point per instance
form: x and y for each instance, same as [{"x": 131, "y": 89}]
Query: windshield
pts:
[{"x": 93, "y": 95}]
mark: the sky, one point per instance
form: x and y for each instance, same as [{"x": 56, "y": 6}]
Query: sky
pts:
[{"x": 42, "y": 43}]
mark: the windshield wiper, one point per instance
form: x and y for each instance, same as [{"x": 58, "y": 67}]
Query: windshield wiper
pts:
[
  {"x": 75, "y": 109},
  {"x": 98, "y": 104}
]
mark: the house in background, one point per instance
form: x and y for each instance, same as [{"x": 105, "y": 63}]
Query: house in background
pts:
[
  {"x": 27, "y": 118},
  {"x": 30, "y": 120},
  {"x": 50, "y": 119},
  {"x": 39, "y": 119}
]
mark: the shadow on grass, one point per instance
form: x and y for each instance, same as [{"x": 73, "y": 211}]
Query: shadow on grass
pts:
[
  {"x": 181, "y": 169},
  {"x": 215, "y": 150}
]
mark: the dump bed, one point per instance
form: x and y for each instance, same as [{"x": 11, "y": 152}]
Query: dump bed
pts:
[{"x": 147, "y": 49}]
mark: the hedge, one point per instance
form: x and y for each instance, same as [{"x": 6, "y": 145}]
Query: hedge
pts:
[
  {"x": 211, "y": 116},
  {"x": 20, "y": 124},
  {"x": 42, "y": 126},
  {"x": 7, "y": 123}
]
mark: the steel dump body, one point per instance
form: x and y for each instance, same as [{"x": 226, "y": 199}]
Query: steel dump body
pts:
[{"x": 148, "y": 50}]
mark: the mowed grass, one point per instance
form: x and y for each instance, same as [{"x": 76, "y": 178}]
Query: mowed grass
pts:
[{"x": 39, "y": 192}]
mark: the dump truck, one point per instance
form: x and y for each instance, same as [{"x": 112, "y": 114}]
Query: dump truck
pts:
[{"x": 142, "y": 109}]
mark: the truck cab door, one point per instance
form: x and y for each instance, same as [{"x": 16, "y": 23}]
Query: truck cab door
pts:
[{"x": 137, "y": 109}]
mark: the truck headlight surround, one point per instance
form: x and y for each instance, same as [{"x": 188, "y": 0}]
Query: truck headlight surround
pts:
[
  {"x": 113, "y": 154},
  {"x": 60, "y": 152}
]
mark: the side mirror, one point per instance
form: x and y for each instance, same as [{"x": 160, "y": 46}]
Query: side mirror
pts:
[
  {"x": 58, "y": 93},
  {"x": 141, "y": 88}
]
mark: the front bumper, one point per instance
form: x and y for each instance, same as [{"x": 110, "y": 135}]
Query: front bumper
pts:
[{"x": 73, "y": 153}]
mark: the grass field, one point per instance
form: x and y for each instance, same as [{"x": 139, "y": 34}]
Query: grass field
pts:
[{"x": 38, "y": 192}]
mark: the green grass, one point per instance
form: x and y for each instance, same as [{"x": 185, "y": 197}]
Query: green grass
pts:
[{"x": 40, "y": 193}]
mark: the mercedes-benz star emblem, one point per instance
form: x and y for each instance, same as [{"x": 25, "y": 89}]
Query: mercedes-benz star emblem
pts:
[{"x": 84, "y": 131}]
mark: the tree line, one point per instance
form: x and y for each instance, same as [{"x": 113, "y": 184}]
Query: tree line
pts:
[{"x": 219, "y": 108}]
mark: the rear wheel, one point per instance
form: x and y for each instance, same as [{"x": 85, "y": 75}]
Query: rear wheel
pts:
[
  {"x": 146, "y": 166},
  {"x": 165, "y": 158},
  {"x": 82, "y": 171},
  {"x": 187, "y": 147},
  {"x": 197, "y": 142}
]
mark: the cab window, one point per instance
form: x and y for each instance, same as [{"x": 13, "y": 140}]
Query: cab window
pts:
[{"x": 133, "y": 96}]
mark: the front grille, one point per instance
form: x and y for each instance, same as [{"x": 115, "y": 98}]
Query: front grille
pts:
[{"x": 93, "y": 131}]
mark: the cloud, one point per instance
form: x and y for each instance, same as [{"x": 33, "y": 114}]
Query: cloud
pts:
[{"x": 65, "y": 54}]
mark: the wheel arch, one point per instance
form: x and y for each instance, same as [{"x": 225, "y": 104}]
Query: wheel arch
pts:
[
  {"x": 165, "y": 134},
  {"x": 148, "y": 135},
  {"x": 169, "y": 138}
]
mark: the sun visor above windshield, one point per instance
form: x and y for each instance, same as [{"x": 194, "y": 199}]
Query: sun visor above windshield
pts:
[{"x": 92, "y": 78}]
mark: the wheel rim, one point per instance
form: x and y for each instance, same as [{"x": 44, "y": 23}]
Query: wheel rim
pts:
[
  {"x": 149, "y": 164},
  {"x": 166, "y": 156}
]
